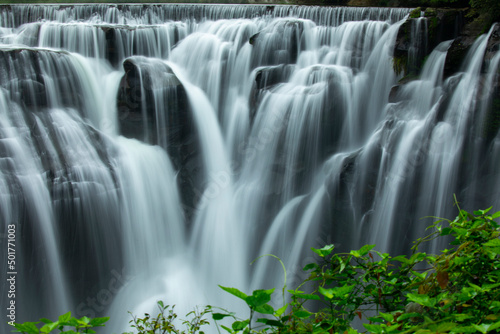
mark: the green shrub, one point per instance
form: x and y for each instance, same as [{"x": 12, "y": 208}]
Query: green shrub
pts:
[
  {"x": 164, "y": 321},
  {"x": 456, "y": 291},
  {"x": 82, "y": 325}
]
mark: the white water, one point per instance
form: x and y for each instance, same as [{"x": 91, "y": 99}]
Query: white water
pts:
[{"x": 257, "y": 131}]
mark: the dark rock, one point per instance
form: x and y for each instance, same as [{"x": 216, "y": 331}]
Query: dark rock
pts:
[
  {"x": 278, "y": 44},
  {"x": 418, "y": 36},
  {"x": 393, "y": 95},
  {"x": 153, "y": 107},
  {"x": 265, "y": 79},
  {"x": 493, "y": 44}
]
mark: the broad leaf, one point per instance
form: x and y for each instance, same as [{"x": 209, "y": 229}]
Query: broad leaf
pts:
[
  {"x": 234, "y": 292},
  {"x": 270, "y": 322},
  {"x": 219, "y": 316},
  {"x": 95, "y": 322},
  {"x": 239, "y": 325},
  {"x": 227, "y": 329},
  {"x": 302, "y": 314},
  {"x": 259, "y": 297},
  {"x": 374, "y": 328},
  {"x": 47, "y": 328},
  {"x": 65, "y": 317},
  {"x": 325, "y": 251},
  {"x": 423, "y": 299},
  {"x": 338, "y": 292},
  {"x": 28, "y": 327},
  {"x": 281, "y": 310},
  {"x": 492, "y": 245},
  {"x": 483, "y": 328},
  {"x": 264, "y": 309}
]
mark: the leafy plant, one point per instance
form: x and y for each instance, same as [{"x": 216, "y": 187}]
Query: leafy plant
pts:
[
  {"x": 82, "y": 325},
  {"x": 165, "y": 321},
  {"x": 456, "y": 291}
]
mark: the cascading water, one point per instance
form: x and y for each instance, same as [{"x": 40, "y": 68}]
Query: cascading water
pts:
[{"x": 152, "y": 152}]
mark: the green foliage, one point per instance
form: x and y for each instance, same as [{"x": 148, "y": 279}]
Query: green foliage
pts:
[
  {"x": 488, "y": 10},
  {"x": 455, "y": 291},
  {"x": 399, "y": 64},
  {"x": 164, "y": 321},
  {"x": 82, "y": 325}
]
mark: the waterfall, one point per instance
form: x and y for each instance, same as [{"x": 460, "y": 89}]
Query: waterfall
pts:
[{"x": 153, "y": 152}]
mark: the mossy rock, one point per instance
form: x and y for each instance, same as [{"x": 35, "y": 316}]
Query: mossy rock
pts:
[{"x": 416, "y": 13}]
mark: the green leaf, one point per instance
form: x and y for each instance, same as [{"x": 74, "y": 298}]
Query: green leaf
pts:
[
  {"x": 326, "y": 292},
  {"x": 219, "y": 316},
  {"x": 96, "y": 322},
  {"x": 476, "y": 287},
  {"x": 483, "y": 328},
  {"x": 281, "y": 310},
  {"x": 461, "y": 316},
  {"x": 465, "y": 329},
  {"x": 259, "y": 297},
  {"x": 374, "y": 328},
  {"x": 495, "y": 215},
  {"x": 376, "y": 319},
  {"x": 365, "y": 249},
  {"x": 338, "y": 292},
  {"x": 234, "y": 292},
  {"x": 295, "y": 292},
  {"x": 488, "y": 287},
  {"x": 309, "y": 296},
  {"x": 310, "y": 266},
  {"x": 83, "y": 320},
  {"x": 302, "y": 314},
  {"x": 386, "y": 316},
  {"x": 446, "y": 231},
  {"x": 270, "y": 322},
  {"x": 65, "y": 317},
  {"x": 494, "y": 326},
  {"x": 400, "y": 258},
  {"x": 264, "y": 309},
  {"x": 47, "y": 328},
  {"x": 445, "y": 327},
  {"x": 422, "y": 299},
  {"x": 492, "y": 245},
  {"x": 239, "y": 325},
  {"x": 405, "y": 316},
  {"x": 46, "y": 321},
  {"x": 226, "y": 329},
  {"x": 325, "y": 251},
  {"x": 28, "y": 327}
]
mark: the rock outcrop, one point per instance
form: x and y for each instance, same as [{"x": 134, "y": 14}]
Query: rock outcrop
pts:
[{"x": 153, "y": 107}]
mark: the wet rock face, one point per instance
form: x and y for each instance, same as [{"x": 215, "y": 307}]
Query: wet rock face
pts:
[
  {"x": 278, "y": 44},
  {"x": 152, "y": 99},
  {"x": 153, "y": 107},
  {"x": 462, "y": 44},
  {"x": 25, "y": 83},
  {"x": 493, "y": 43},
  {"x": 422, "y": 32},
  {"x": 265, "y": 79},
  {"x": 28, "y": 73}
]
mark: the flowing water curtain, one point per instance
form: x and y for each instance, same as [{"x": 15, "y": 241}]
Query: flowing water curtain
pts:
[{"x": 276, "y": 133}]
